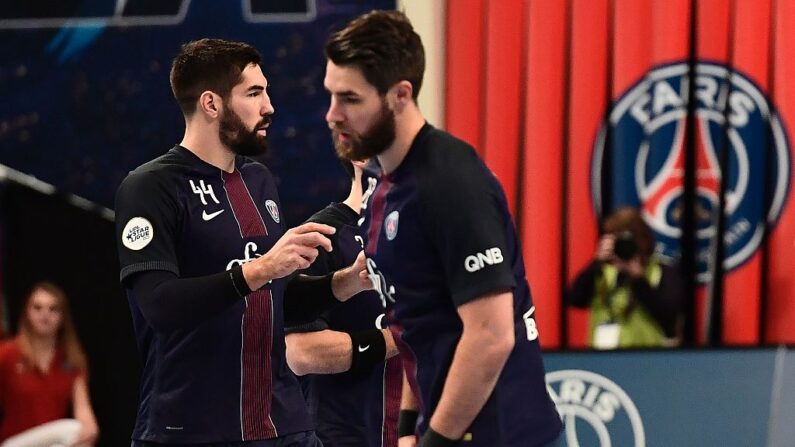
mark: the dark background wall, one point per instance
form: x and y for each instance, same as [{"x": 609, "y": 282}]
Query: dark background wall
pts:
[
  {"x": 82, "y": 106},
  {"x": 45, "y": 236}
]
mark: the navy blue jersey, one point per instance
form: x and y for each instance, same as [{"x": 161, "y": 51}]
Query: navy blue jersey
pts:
[
  {"x": 351, "y": 409},
  {"x": 226, "y": 378},
  {"x": 438, "y": 235}
]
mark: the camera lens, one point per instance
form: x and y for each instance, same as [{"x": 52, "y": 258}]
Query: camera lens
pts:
[{"x": 625, "y": 247}]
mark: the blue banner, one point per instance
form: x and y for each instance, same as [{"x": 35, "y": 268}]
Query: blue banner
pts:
[{"x": 720, "y": 398}]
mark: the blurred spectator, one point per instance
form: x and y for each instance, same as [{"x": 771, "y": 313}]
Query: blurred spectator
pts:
[
  {"x": 635, "y": 300},
  {"x": 43, "y": 389}
]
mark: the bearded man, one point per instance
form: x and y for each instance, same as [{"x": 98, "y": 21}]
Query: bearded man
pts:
[{"x": 209, "y": 268}]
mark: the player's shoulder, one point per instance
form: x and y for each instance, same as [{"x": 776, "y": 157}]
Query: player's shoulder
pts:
[
  {"x": 441, "y": 155},
  {"x": 176, "y": 159},
  {"x": 160, "y": 176},
  {"x": 251, "y": 165},
  {"x": 170, "y": 164},
  {"x": 337, "y": 215},
  {"x": 444, "y": 163}
]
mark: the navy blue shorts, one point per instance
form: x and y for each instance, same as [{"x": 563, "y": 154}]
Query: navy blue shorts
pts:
[{"x": 303, "y": 439}]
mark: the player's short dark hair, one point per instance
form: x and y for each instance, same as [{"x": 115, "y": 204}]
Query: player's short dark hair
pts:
[
  {"x": 384, "y": 46},
  {"x": 209, "y": 64}
]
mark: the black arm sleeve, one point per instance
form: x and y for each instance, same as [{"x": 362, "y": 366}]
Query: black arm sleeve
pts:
[
  {"x": 297, "y": 317},
  {"x": 168, "y": 302},
  {"x": 663, "y": 302},
  {"x": 306, "y": 301},
  {"x": 306, "y": 297},
  {"x": 583, "y": 289}
]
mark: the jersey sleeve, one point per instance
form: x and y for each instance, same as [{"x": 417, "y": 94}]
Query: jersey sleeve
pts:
[
  {"x": 466, "y": 214},
  {"x": 147, "y": 213}
]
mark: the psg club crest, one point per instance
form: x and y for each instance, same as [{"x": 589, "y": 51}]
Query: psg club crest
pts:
[
  {"x": 391, "y": 225},
  {"x": 273, "y": 210},
  {"x": 644, "y": 165}
]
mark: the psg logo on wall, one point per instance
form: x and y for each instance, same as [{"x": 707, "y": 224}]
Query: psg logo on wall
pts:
[{"x": 645, "y": 163}]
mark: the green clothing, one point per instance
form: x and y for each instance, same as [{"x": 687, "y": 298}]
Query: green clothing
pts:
[{"x": 613, "y": 304}]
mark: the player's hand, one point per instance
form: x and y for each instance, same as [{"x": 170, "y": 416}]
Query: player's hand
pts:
[
  {"x": 407, "y": 441},
  {"x": 295, "y": 250},
  {"x": 351, "y": 280},
  {"x": 604, "y": 249}
]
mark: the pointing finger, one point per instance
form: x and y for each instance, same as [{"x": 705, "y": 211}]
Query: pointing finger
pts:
[{"x": 314, "y": 227}]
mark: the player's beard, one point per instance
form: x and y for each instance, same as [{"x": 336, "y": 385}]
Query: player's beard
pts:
[
  {"x": 240, "y": 139},
  {"x": 370, "y": 143}
]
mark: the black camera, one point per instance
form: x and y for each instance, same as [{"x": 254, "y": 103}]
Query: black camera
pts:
[{"x": 625, "y": 246}]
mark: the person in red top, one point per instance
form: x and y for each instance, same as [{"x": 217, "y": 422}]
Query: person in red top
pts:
[{"x": 43, "y": 377}]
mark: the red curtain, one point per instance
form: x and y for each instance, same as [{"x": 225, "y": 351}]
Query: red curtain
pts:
[{"x": 530, "y": 84}]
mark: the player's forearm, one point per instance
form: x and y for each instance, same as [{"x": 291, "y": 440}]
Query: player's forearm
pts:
[
  {"x": 323, "y": 352},
  {"x": 258, "y": 273},
  {"x": 477, "y": 363},
  {"x": 331, "y": 352},
  {"x": 408, "y": 401},
  {"x": 169, "y": 302},
  {"x": 306, "y": 297},
  {"x": 409, "y": 413}
]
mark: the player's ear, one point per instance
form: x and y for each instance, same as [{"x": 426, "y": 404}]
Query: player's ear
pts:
[
  {"x": 210, "y": 104},
  {"x": 403, "y": 94}
]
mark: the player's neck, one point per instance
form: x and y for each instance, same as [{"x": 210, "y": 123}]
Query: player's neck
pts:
[
  {"x": 205, "y": 143},
  {"x": 354, "y": 200},
  {"x": 407, "y": 126}
]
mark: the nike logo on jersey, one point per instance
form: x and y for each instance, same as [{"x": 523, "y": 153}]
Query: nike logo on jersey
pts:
[
  {"x": 208, "y": 217},
  {"x": 363, "y": 348}
]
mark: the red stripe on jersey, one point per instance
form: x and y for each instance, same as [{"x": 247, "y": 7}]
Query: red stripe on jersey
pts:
[
  {"x": 248, "y": 218},
  {"x": 408, "y": 360},
  {"x": 256, "y": 367},
  {"x": 393, "y": 386},
  {"x": 377, "y": 214},
  {"x": 257, "y": 384}
]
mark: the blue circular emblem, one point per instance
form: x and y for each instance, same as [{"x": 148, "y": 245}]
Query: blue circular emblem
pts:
[{"x": 643, "y": 165}]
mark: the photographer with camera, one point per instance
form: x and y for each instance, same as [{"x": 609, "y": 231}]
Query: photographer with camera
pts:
[{"x": 635, "y": 300}]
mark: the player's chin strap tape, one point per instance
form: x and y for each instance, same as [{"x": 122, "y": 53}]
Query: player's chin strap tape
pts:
[
  {"x": 407, "y": 423},
  {"x": 433, "y": 439},
  {"x": 369, "y": 349}
]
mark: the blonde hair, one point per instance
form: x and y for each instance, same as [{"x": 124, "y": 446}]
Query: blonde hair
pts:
[{"x": 67, "y": 340}]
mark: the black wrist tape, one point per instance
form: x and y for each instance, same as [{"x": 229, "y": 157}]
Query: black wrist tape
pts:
[
  {"x": 239, "y": 281},
  {"x": 369, "y": 349},
  {"x": 433, "y": 439},
  {"x": 407, "y": 423}
]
